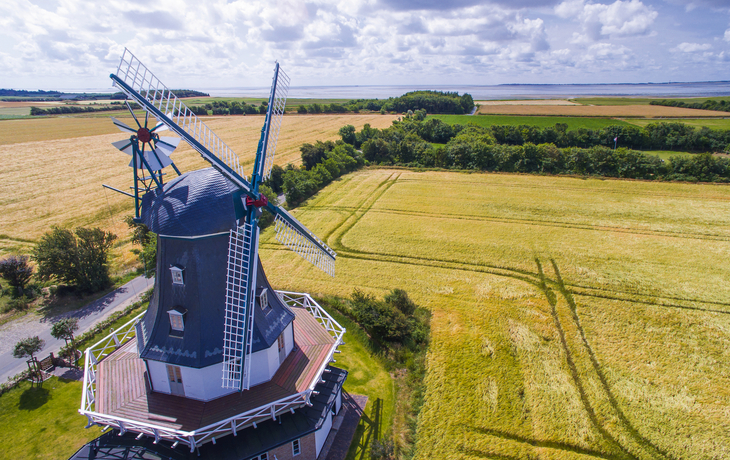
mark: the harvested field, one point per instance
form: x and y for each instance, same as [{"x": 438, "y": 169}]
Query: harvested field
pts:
[
  {"x": 547, "y": 102},
  {"x": 572, "y": 318},
  {"x": 57, "y": 179},
  {"x": 641, "y": 111}
]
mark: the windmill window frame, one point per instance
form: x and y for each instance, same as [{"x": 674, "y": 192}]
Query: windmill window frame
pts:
[
  {"x": 177, "y": 274},
  {"x": 296, "y": 448},
  {"x": 264, "y": 300},
  {"x": 177, "y": 321}
]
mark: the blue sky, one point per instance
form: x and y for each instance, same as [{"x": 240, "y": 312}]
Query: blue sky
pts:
[{"x": 71, "y": 44}]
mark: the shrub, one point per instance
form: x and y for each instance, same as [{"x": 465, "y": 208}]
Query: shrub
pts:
[
  {"x": 17, "y": 271},
  {"x": 398, "y": 298},
  {"x": 380, "y": 319}
]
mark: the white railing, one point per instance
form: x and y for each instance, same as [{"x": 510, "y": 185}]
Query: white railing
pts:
[
  {"x": 333, "y": 327},
  {"x": 99, "y": 351},
  {"x": 209, "y": 433}
]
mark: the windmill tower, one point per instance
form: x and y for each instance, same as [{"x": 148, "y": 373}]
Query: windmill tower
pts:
[{"x": 220, "y": 362}]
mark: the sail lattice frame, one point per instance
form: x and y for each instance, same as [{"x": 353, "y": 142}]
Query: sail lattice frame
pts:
[
  {"x": 291, "y": 237},
  {"x": 240, "y": 298},
  {"x": 278, "y": 108}
]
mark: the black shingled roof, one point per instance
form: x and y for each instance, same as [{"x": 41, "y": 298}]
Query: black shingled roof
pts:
[{"x": 197, "y": 203}]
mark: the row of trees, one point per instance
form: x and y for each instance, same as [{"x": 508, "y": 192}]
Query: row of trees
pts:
[
  {"x": 66, "y": 109},
  {"x": 430, "y": 101},
  {"x": 321, "y": 163},
  {"x": 721, "y": 105},
  {"x": 654, "y": 136},
  {"x": 229, "y": 108},
  {"x": 433, "y": 143}
]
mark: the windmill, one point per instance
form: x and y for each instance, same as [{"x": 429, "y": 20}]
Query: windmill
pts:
[
  {"x": 217, "y": 351},
  {"x": 149, "y": 152},
  {"x": 141, "y": 86}
]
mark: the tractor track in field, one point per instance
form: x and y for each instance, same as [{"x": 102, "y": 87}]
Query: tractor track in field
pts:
[
  {"x": 355, "y": 213},
  {"x": 613, "y": 412},
  {"x": 546, "y": 223}
]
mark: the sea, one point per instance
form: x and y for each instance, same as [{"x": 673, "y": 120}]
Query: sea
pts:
[{"x": 482, "y": 92}]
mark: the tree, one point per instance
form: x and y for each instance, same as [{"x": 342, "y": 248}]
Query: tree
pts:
[
  {"x": 143, "y": 236},
  {"x": 78, "y": 259},
  {"x": 347, "y": 133},
  {"x": 17, "y": 271},
  {"x": 29, "y": 347},
  {"x": 64, "y": 329}
]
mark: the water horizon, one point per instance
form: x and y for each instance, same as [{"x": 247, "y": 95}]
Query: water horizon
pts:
[{"x": 478, "y": 92}]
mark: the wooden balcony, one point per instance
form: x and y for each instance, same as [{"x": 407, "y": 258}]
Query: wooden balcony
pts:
[{"x": 122, "y": 390}]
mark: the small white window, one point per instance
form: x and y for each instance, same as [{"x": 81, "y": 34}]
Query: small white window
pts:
[
  {"x": 295, "y": 448},
  {"x": 264, "y": 299},
  {"x": 264, "y": 456},
  {"x": 176, "y": 320},
  {"x": 177, "y": 275},
  {"x": 281, "y": 341}
]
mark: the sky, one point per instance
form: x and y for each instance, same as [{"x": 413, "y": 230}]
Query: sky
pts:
[{"x": 72, "y": 44}]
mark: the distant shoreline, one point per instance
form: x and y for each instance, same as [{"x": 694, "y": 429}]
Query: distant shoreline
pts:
[{"x": 479, "y": 92}]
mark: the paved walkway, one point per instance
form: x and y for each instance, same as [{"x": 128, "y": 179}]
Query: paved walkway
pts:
[
  {"x": 344, "y": 426},
  {"x": 30, "y": 325}
]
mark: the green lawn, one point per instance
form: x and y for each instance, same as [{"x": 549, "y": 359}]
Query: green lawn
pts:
[
  {"x": 43, "y": 423},
  {"x": 489, "y": 120},
  {"x": 367, "y": 376}
]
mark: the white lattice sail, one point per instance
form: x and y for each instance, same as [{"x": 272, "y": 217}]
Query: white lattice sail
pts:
[
  {"x": 322, "y": 258},
  {"x": 240, "y": 297},
  {"x": 277, "y": 114}
]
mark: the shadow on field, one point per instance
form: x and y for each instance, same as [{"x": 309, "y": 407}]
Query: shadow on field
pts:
[
  {"x": 368, "y": 430},
  {"x": 33, "y": 398},
  {"x": 536, "y": 443}
]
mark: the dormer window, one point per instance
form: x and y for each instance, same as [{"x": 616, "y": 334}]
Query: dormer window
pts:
[
  {"x": 177, "y": 275},
  {"x": 177, "y": 320},
  {"x": 264, "y": 299}
]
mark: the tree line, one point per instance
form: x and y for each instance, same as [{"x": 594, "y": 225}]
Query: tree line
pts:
[
  {"x": 431, "y": 101},
  {"x": 65, "y": 109},
  {"x": 418, "y": 141},
  {"x": 710, "y": 104}
]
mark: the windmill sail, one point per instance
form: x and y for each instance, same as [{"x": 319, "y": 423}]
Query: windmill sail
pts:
[
  {"x": 274, "y": 116},
  {"x": 141, "y": 85},
  {"x": 307, "y": 245},
  {"x": 240, "y": 298}
]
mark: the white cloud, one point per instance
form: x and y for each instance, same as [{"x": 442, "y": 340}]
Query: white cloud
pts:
[
  {"x": 599, "y": 21},
  {"x": 692, "y": 47},
  {"x": 727, "y": 35}
]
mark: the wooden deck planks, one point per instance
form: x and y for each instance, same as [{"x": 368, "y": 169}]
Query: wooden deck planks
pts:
[{"x": 122, "y": 390}]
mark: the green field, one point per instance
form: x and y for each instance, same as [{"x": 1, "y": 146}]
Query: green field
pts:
[
  {"x": 665, "y": 154},
  {"x": 639, "y": 100},
  {"x": 715, "y": 123},
  {"x": 572, "y": 318},
  {"x": 542, "y": 122}
]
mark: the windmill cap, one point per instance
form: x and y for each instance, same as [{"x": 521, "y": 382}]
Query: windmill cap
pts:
[{"x": 197, "y": 203}]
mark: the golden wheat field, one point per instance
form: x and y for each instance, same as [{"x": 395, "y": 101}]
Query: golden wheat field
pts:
[
  {"x": 572, "y": 318},
  {"x": 553, "y": 109},
  {"x": 53, "y": 169}
]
